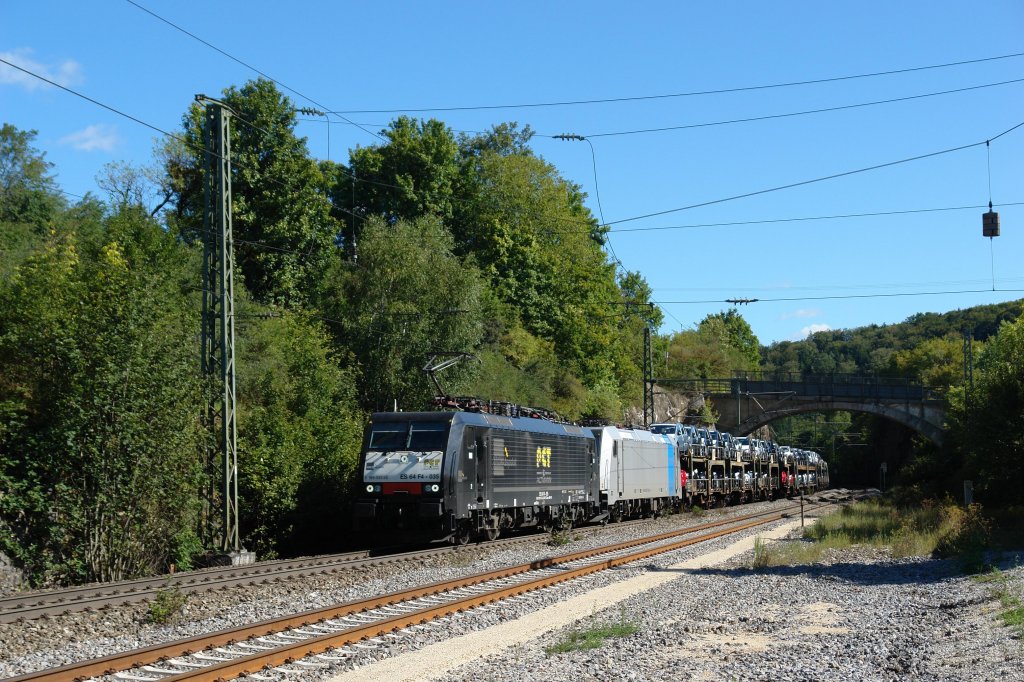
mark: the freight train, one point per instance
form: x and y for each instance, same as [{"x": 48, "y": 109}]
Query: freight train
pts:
[{"x": 470, "y": 475}]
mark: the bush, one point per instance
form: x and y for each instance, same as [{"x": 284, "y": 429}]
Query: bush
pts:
[
  {"x": 966, "y": 534},
  {"x": 166, "y": 606}
]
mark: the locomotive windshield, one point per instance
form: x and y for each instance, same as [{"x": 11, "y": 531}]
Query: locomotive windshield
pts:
[
  {"x": 405, "y": 452},
  {"x": 419, "y": 436}
]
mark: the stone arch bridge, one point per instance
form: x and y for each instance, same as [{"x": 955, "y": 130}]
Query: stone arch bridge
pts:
[{"x": 751, "y": 400}]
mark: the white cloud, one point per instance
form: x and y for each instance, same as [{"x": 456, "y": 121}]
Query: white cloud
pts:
[
  {"x": 808, "y": 330},
  {"x": 66, "y": 72},
  {"x": 803, "y": 312},
  {"x": 93, "y": 138}
]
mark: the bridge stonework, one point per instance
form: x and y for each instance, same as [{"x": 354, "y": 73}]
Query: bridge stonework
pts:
[{"x": 744, "y": 404}]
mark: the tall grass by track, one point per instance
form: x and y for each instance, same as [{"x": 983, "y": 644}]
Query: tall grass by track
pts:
[{"x": 932, "y": 529}]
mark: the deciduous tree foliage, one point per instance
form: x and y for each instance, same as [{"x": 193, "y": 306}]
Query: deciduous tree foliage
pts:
[
  {"x": 733, "y": 331},
  {"x": 99, "y": 404},
  {"x": 406, "y": 299},
  {"x": 935, "y": 362},
  {"x": 412, "y": 174},
  {"x": 540, "y": 249},
  {"x": 28, "y": 192},
  {"x": 707, "y": 352},
  {"x": 987, "y": 422},
  {"x": 869, "y": 350},
  {"x": 282, "y": 224},
  {"x": 299, "y": 434}
]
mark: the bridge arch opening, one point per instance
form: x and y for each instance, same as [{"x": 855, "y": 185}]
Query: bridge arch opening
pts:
[{"x": 892, "y": 413}]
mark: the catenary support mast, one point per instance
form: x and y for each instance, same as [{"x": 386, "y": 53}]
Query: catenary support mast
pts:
[{"x": 218, "y": 337}]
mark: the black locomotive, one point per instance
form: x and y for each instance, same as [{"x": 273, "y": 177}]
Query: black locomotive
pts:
[{"x": 468, "y": 475}]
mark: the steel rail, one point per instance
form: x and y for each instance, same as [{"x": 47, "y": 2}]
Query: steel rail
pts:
[
  {"x": 28, "y": 606},
  {"x": 147, "y": 656},
  {"x": 228, "y": 670}
]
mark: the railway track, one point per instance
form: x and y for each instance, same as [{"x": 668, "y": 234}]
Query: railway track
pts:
[
  {"x": 319, "y": 638},
  {"x": 33, "y": 605}
]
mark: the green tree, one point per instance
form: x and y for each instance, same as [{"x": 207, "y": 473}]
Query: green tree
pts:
[
  {"x": 299, "y": 432},
  {"x": 934, "y": 362},
  {"x": 284, "y": 232},
  {"x": 127, "y": 184},
  {"x": 987, "y": 422},
  {"x": 407, "y": 299},
  {"x": 412, "y": 174},
  {"x": 735, "y": 332},
  {"x": 709, "y": 351},
  {"x": 99, "y": 404},
  {"x": 29, "y": 198},
  {"x": 28, "y": 192},
  {"x": 540, "y": 249}
]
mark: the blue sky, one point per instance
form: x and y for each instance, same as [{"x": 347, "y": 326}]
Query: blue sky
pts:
[{"x": 388, "y": 56}]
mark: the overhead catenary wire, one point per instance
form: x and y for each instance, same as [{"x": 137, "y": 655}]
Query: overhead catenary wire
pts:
[
  {"x": 190, "y": 144},
  {"x": 827, "y": 287},
  {"x": 695, "y": 93},
  {"x": 852, "y": 296},
  {"x": 597, "y": 194},
  {"x": 735, "y": 197},
  {"x": 807, "y": 112},
  {"x": 843, "y": 216},
  {"x": 246, "y": 65},
  {"x": 803, "y": 183},
  {"x": 577, "y": 220},
  {"x": 173, "y": 136},
  {"x": 748, "y": 119}
]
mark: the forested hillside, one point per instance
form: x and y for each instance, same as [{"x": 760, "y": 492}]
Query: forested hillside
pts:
[{"x": 927, "y": 346}]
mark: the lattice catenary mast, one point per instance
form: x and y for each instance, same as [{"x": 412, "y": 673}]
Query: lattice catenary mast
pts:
[{"x": 218, "y": 337}]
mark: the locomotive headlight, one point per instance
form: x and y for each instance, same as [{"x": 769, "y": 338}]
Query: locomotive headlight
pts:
[
  {"x": 434, "y": 488},
  {"x": 369, "y": 488}
]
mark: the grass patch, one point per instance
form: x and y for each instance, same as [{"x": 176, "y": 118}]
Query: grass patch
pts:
[
  {"x": 166, "y": 606},
  {"x": 930, "y": 529},
  {"x": 591, "y": 638},
  {"x": 762, "y": 555},
  {"x": 562, "y": 537},
  {"x": 1012, "y": 613},
  {"x": 1013, "y": 618},
  {"x": 785, "y": 553}
]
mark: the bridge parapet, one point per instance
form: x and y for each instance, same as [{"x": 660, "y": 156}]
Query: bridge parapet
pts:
[
  {"x": 752, "y": 399},
  {"x": 836, "y": 385},
  {"x": 809, "y": 385}
]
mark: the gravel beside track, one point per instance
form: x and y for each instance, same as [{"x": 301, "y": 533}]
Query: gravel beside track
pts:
[
  {"x": 859, "y": 615},
  {"x": 55, "y": 641}
]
